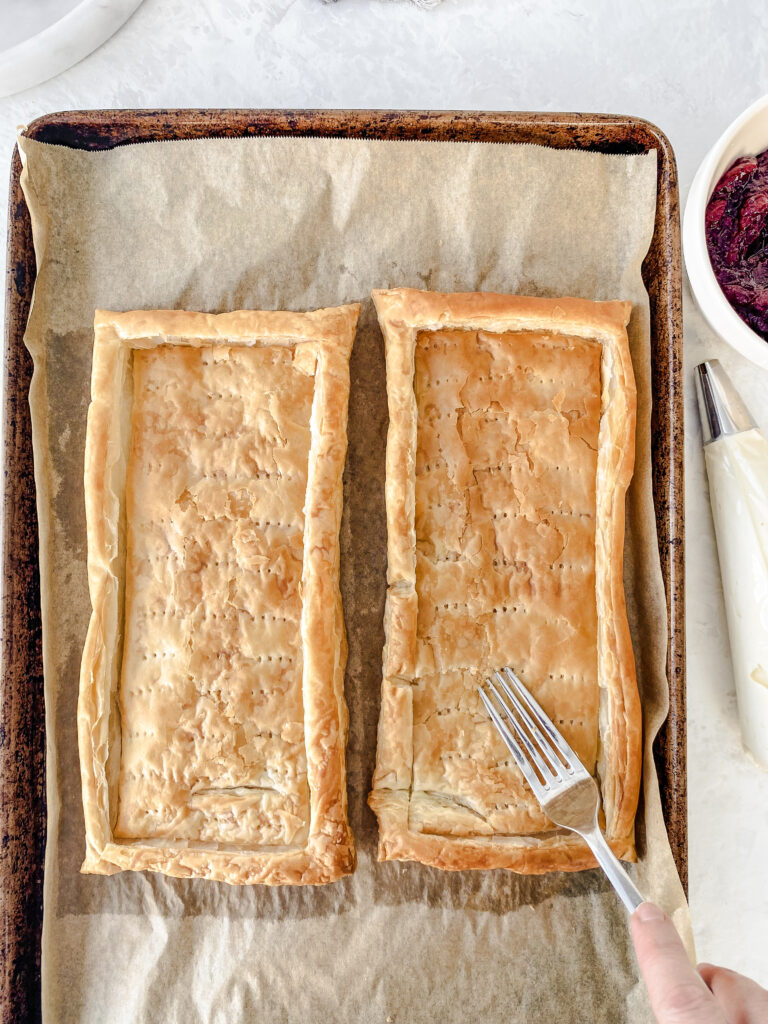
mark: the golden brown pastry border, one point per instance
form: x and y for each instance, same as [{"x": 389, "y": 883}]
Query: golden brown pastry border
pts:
[
  {"x": 329, "y": 335},
  {"x": 403, "y": 313}
]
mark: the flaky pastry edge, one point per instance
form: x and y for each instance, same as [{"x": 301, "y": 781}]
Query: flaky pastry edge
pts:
[
  {"x": 402, "y": 313},
  {"x": 329, "y": 335}
]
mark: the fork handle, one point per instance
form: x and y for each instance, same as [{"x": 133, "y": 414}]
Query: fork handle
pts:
[{"x": 611, "y": 865}]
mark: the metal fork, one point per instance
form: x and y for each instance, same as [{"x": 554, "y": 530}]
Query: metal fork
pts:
[{"x": 566, "y": 791}]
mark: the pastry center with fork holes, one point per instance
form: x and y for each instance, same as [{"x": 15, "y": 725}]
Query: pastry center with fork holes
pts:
[{"x": 505, "y": 574}]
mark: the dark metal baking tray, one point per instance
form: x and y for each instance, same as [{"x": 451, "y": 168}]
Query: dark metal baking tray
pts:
[{"x": 22, "y": 719}]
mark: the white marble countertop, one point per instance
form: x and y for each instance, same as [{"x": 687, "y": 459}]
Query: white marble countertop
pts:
[{"x": 690, "y": 68}]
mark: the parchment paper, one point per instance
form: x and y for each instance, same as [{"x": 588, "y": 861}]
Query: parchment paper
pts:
[{"x": 285, "y": 223}]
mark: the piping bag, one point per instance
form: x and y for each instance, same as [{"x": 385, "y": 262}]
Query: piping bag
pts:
[{"x": 736, "y": 457}]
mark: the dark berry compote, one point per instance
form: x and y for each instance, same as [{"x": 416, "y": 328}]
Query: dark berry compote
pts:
[{"x": 737, "y": 238}]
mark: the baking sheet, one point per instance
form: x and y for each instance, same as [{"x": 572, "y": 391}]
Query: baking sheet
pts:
[{"x": 269, "y": 223}]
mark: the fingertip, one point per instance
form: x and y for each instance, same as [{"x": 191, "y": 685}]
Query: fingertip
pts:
[
  {"x": 647, "y": 913},
  {"x": 708, "y": 972},
  {"x": 656, "y": 939}
]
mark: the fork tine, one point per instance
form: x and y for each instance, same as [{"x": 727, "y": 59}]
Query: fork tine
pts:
[
  {"x": 546, "y": 747},
  {"x": 544, "y": 721},
  {"x": 534, "y": 755},
  {"x": 522, "y": 761}
]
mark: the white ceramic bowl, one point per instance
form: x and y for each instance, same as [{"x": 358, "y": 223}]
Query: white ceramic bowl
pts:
[
  {"x": 64, "y": 32},
  {"x": 747, "y": 135}
]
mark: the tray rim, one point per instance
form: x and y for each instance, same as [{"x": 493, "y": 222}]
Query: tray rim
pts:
[
  {"x": 331, "y": 121},
  {"x": 107, "y": 129}
]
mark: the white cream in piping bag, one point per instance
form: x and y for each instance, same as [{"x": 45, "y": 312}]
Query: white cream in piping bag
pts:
[{"x": 736, "y": 457}]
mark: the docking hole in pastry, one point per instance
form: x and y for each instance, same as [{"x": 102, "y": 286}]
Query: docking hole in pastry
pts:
[
  {"x": 510, "y": 449},
  {"x": 212, "y": 722}
]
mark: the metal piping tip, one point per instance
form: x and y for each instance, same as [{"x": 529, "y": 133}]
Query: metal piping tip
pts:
[{"x": 721, "y": 409}]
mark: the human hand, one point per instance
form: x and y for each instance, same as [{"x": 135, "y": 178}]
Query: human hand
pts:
[{"x": 681, "y": 994}]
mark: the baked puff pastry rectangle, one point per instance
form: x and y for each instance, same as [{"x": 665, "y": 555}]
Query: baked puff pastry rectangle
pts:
[
  {"x": 212, "y": 721},
  {"x": 510, "y": 449}
]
